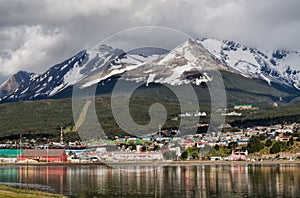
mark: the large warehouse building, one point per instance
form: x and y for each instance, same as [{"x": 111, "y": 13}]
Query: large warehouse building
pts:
[{"x": 44, "y": 155}]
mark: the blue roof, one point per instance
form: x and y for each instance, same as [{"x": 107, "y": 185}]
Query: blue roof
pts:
[{"x": 242, "y": 140}]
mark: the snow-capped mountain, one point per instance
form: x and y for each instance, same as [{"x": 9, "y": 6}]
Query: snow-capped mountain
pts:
[
  {"x": 84, "y": 67},
  {"x": 48, "y": 83},
  {"x": 188, "y": 62},
  {"x": 175, "y": 67},
  {"x": 282, "y": 67}
]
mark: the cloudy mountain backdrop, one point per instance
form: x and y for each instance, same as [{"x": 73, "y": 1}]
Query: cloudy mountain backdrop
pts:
[{"x": 187, "y": 63}]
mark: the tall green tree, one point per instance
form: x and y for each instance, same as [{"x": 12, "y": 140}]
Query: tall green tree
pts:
[
  {"x": 217, "y": 147},
  {"x": 255, "y": 145},
  {"x": 275, "y": 148},
  {"x": 268, "y": 143},
  {"x": 184, "y": 155}
]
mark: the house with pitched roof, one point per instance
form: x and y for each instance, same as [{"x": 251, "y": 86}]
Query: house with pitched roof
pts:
[{"x": 43, "y": 155}]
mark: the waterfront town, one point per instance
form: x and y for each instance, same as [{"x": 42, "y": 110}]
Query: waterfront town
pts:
[
  {"x": 255, "y": 144},
  {"x": 162, "y": 99},
  {"x": 276, "y": 142}
]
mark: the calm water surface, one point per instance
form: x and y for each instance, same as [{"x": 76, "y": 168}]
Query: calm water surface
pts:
[{"x": 239, "y": 180}]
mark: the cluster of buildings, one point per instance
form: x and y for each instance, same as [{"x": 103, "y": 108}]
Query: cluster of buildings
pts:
[
  {"x": 155, "y": 146},
  {"x": 243, "y": 107},
  {"x": 237, "y": 107},
  {"x": 25, "y": 143},
  {"x": 193, "y": 114},
  {"x": 233, "y": 113},
  {"x": 282, "y": 155},
  {"x": 116, "y": 156}
]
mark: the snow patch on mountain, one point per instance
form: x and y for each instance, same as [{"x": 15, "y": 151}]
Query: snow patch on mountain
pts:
[
  {"x": 176, "y": 77},
  {"x": 278, "y": 66},
  {"x": 110, "y": 74},
  {"x": 150, "y": 79},
  {"x": 73, "y": 75},
  {"x": 24, "y": 91},
  {"x": 57, "y": 89},
  {"x": 213, "y": 46}
]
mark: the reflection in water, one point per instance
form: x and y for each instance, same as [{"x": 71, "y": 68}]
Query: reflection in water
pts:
[
  {"x": 237, "y": 180},
  {"x": 47, "y": 175}
]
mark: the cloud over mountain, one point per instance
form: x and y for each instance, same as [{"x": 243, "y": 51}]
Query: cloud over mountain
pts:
[{"x": 34, "y": 34}]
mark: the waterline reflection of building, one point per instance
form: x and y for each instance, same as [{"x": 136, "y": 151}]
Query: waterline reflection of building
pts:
[
  {"x": 47, "y": 175},
  {"x": 232, "y": 180}
]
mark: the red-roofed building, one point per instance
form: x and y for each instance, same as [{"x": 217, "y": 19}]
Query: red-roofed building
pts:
[
  {"x": 287, "y": 155},
  {"x": 188, "y": 143},
  {"x": 50, "y": 155},
  {"x": 285, "y": 138}
]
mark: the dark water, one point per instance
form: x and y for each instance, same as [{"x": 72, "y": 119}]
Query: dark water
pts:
[{"x": 170, "y": 181}]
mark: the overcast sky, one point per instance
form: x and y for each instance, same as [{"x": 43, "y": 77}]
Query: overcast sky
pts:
[{"x": 36, "y": 34}]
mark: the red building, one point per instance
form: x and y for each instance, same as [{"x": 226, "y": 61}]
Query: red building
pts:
[{"x": 44, "y": 155}]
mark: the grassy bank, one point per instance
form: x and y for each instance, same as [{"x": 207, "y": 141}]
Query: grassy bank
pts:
[{"x": 9, "y": 192}]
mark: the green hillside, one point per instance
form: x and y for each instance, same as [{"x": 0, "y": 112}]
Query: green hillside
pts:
[
  {"x": 35, "y": 118},
  {"x": 43, "y": 119}
]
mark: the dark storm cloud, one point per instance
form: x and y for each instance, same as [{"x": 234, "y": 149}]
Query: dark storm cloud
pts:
[{"x": 37, "y": 34}]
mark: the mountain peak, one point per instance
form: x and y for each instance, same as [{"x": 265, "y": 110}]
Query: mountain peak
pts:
[
  {"x": 104, "y": 50},
  {"x": 175, "y": 68},
  {"x": 190, "y": 53},
  {"x": 23, "y": 75},
  {"x": 188, "y": 44},
  {"x": 14, "y": 82}
]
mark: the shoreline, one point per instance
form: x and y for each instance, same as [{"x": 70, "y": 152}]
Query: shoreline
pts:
[
  {"x": 153, "y": 163},
  {"x": 13, "y": 192}
]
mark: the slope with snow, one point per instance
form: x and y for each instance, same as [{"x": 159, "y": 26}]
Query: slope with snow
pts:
[
  {"x": 174, "y": 67},
  {"x": 282, "y": 67},
  {"x": 39, "y": 86},
  {"x": 190, "y": 62},
  {"x": 83, "y": 68}
]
